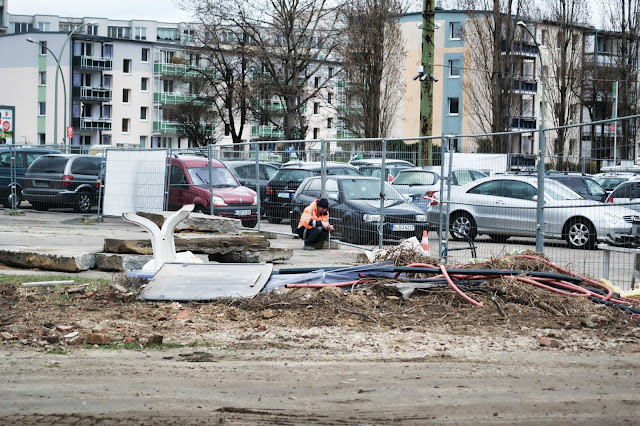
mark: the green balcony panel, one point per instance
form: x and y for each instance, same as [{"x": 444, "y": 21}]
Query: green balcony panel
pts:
[
  {"x": 42, "y": 93},
  {"x": 42, "y": 124}
]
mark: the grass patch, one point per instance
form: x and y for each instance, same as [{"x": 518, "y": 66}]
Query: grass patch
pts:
[
  {"x": 57, "y": 351},
  {"x": 137, "y": 346},
  {"x": 19, "y": 279}
]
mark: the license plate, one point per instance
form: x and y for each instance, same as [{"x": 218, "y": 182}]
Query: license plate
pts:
[
  {"x": 242, "y": 212},
  {"x": 285, "y": 195},
  {"x": 415, "y": 198},
  {"x": 402, "y": 227},
  {"x": 41, "y": 183}
]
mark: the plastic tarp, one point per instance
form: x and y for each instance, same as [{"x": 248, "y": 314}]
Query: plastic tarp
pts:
[
  {"x": 134, "y": 181},
  {"x": 322, "y": 276}
]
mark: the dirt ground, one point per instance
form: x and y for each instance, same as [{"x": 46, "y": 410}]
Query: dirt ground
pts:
[{"x": 327, "y": 356}]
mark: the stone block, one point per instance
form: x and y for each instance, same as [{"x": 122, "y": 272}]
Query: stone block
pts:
[
  {"x": 269, "y": 255},
  {"x": 197, "y": 222},
  {"x": 49, "y": 262},
  {"x": 97, "y": 339},
  {"x": 195, "y": 243},
  {"x": 128, "y": 262}
]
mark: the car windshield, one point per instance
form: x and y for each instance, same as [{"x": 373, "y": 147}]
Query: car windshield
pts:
[
  {"x": 415, "y": 178},
  {"x": 610, "y": 183},
  {"x": 365, "y": 189},
  {"x": 558, "y": 191},
  {"x": 291, "y": 175},
  {"x": 220, "y": 177}
]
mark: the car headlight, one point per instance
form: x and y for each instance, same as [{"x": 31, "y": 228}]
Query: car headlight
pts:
[
  {"x": 371, "y": 217},
  {"x": 255, "y": 200},
  {"x": 218, "y": 202},
  {"x": 613, "y": 219},
  {"x": 421, "y": 218}
]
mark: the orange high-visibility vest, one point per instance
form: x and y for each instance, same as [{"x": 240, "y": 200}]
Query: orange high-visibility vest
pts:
[{"x": 310, "y": 217}]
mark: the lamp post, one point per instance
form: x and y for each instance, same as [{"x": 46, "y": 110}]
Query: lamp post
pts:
[
  {"x": 541, "y": 151},
  {"x": 59, "y": 71},
  {"x": 64, "y": 87}
]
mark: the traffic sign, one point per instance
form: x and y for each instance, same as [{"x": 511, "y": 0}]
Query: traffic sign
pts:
[
  {"x": 6, "y": 126},
  {"x": 69, "y": 132}
]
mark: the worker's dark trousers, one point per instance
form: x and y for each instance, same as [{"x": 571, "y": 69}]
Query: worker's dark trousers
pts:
[{"x": 313, "y": 236}]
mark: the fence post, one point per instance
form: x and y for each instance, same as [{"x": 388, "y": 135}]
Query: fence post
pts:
[
  {"x": 540, "y": 201},
  {"x": 167, "y": 179},
  {"x": 13, "y": 191},
  {"x": 257, "y": 151},
  {"x": 443, "y": 226},
  {"x": 323, "y": 165},
  {"x": 382, "y": 196},
  {"x": 210, "y": 179}
]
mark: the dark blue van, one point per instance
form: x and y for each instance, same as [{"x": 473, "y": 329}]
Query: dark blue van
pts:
[{"x": 14, "y": 162}]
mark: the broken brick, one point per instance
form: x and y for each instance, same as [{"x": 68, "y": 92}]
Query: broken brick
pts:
[
  {"x": 97, "y": 339},
  {"x": 156, "y": 339},
  {"x": 183, "y": 314}
]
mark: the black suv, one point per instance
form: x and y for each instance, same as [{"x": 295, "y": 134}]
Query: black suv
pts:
[
  {"x": 245, "y": 172},
  {"x": 13, "y": 165},
  {"x": 63, "y": 181},
  {"x": 581, "y": 183},
  {"x": 283, "y": 185}
]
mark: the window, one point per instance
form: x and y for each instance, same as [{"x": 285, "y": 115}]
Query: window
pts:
[
  {"x": 143, "y": 141},
  {"x": 125, "y": 125},
  {"x": 126, "y": 66},
  {"x": 455, "y": 29},
  {"x": 42, "y": 108},
  {"x": 545, "y": 37},
  {"x": 454, "y": 107},
  {"x": 106, "y": 81},
  {"x": 330, "y": 72},
  {"x": 42, "y": 138},
  {"x": 92, "y": 29},
  {"x": 316, "y": 107},
  {"x": 43, "y": 47},
  {"x": 316, "y": 132},
  {"x": 227, "y": 130},
  {"x": 145, "y": 55},
  {"x": 188, "y": 36},
  {"x": 126, "y": 95},
  {"x": 107, "y": 51},
  {"x": 144, "y": 111},
  {"x": 119, "y": 32},
  {"x": 316, "y": 82},
  {"x": 22, "y": 27},
  {"x": 329, "y": 123},
  {"x": 454, "y": 68},
  {"x": 329, "y": 97},
  {"x": 144, "y": 84},
  {"x": 43, "y": 26},
  {"x": 140, "y": 33},
  {"x": 106, "y": 139},
  {"x": 167, "y": 86},
  {"x": 42, "y": 77},
  {"x": 106, "y": 111},
  {"x": 167, "y": 34}
]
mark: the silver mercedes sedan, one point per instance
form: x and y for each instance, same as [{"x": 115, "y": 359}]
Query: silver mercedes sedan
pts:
[{"x": 504, "y": 206}]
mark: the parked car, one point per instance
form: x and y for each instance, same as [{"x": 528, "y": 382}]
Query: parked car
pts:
[
  {"x": 64, "y": 181},
  {"x": 505, "y": 206},
  {"x": 420, "y": 183},
  {"x": 582, "y": 184},
  {"x": 189, "y": 183},
  {"x": 245, "y": 172},
  {"x": 354, "y": 206},
  {"x": 378, "y": 162},
  {"x": 626, "y": 194},
  {"x": 283, "y": 185},
  {"x": 18, "y": 159},
  {"x": 610, "y": 180},
  {"x": 389, "y": 170}
]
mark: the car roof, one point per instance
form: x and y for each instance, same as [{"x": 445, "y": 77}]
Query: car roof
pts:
[
  {"x": 240, "y": 162},
  {"x": 374, "y": 161},
  {"x": 340, "y": 177},
  {"x": 193, "y": 160},
  {"x": 315, "y": 165}
]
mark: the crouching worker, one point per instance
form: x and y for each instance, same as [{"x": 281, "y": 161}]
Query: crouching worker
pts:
[{"x": 314, "y": 224}]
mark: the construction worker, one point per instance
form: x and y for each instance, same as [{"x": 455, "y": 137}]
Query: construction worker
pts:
[{"x": 314, "y": 224}]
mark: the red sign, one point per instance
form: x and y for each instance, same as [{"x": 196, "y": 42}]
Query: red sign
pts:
[
  {"x": 6, "y": 126},
  {"x": 69, "y": 132}
]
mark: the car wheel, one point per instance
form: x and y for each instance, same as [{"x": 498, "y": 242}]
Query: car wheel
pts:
[
  {"x": 8, "y": 200},
  {"x": 41, "y": 207},
  {"x": 580, "y": 234},
  {"x": 250, "y": 223},
  {"x": 201, "y": 209},
  {"x": 461, "y": 225},
  {"x": 83, "y": 203},
  {"x": 499, "y": 238}
]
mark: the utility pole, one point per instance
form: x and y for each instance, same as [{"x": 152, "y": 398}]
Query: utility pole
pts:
[{"x": 426, "y": 86}]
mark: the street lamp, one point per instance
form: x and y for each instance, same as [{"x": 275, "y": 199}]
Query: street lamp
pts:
[
  {"x": 59, "y": 71},
  {"x": 541, "y": 151},
  {"x": 64, "y": 87}
]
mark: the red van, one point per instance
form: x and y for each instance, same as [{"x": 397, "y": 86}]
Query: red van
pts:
[{"x": 189, "y": 184}]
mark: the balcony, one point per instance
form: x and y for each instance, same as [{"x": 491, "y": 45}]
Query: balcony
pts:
[
  {"x": 266, "y": 131},
  {"x": 602, "y": 59},
  {"x": 521, "y": 48},
  {"x": 182, "y": 70},
  {"x": 175, "y": 98},
  {"x": 346, "y": 134},
  {"x": 269, "y": 105},
  {"x": 349, "y": 110},
  {"x": 91, "y": 123},
  {"x": 93, "y": 63},
  {"x": 98, "y": 94},
  {"x": 523, "y": 123},
  {"x": 524, "y": 87},
  {"x": 173, "y": 127}
]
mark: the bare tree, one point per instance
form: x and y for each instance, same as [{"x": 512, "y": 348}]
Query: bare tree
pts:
[
  {"x": 490, "y": 34},
  {"x": 372, "y": 56},
  {"x": 195, "y": 121},
  {"x": 562, "y": 35}
]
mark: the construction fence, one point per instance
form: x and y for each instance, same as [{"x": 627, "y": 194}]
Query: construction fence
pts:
[{"x": 381, "y": 191}]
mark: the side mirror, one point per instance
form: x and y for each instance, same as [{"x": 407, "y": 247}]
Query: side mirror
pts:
[{"x": 333, "y": 197}]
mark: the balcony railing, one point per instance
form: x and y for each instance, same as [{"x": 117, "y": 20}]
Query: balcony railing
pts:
[
  {"x": 85, "y": 93},
  {"x": 93, "y": 63},
  {"x": 524, "y": 86},
  {"x": 182, "y": 70},
  {"x": 174, "y": 98},
  {"x": 349, "y": 110},
  {"x": 521, "y": 48},
  {"x": 346, "y": 134},
  {"x": 174, "y": 127},
  {"x": 91, "y": 123},
  {"x": 523, "y": 123},
  {"x": 266, "y": 131}
]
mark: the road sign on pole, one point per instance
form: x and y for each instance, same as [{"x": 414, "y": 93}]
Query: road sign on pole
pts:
[{"x": 69, "y": 132}]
